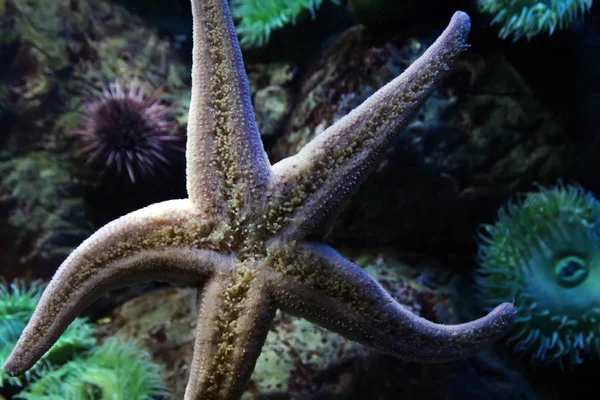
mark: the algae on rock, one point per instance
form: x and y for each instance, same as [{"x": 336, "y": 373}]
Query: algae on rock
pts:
[
  {"x": 481, "y": 135},
  {"x": 61, "y": 51},
  {"x": 45, "y": 206},
  {"x": 299, "y": 359}
]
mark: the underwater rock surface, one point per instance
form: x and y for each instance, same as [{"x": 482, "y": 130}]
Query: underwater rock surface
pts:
[
  {"x": 303, "y": 361},
  {"x": 54, "y": 57},
  {"x": 479, "y": 137},
  {"x": 55, "y": 60},
  {"x": 482, "y": 136},
  {"x": 56, "y": 53}
]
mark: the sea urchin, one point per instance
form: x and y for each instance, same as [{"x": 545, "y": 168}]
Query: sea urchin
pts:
[
  {"x": 543, "y": 253},
  {"x": 128, "y": 130}
]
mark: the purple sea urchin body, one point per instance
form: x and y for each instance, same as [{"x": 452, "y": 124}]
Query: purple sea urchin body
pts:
[
  {"x": 543, "y": 253},
  {"x": 128, "y": 130}
]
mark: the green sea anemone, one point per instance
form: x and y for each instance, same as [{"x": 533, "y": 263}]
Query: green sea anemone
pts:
[
  {"x": 17, "y": 302},
  {"x": 258, "y": 18},
  {"x": 19, "y": 299},
  {"x": 112, "y": 371},
  {"x": 528, "y": 18},
  {"x": 543, "y": 253}
]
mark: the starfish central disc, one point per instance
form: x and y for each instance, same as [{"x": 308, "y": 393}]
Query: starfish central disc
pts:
[{"x": 242, "y": 234}]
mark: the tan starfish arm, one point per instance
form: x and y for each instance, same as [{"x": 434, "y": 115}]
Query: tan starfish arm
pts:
[
  {"x": 235, "y": 317},
  {"x": 317, "y": 283},
  {"x": 318, "y": 181},
  {"x": 148, "y": 244},
  {"x": 227, "y": 166}
]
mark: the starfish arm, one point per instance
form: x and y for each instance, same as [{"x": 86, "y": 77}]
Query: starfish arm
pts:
[
  {"x": 317, "y": 283},
  {"x": 317, "y": 182},
  {"x": 234, "y": 319},
  {"x": 227, "y": 166},
  {"x": 158, "y": 242}
]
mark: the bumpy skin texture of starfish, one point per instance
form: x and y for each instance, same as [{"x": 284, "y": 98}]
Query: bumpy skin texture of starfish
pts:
[{"x": 246, "y": 236}]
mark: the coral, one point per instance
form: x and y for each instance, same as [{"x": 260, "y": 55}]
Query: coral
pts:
[
  {"x": 114, "y": 370},
  {"x": 258, "y": 18},
  {"x": 129, "y": 130},
  {"x": 528, "y": 18},
  {"x": 17, "y": 302},
  {"x": 543, "y": 252}
]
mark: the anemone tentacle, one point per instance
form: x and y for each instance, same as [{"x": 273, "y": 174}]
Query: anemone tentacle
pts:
[
  {"x": 529, "y": 18},
  {"x": 544, "y": 252}
]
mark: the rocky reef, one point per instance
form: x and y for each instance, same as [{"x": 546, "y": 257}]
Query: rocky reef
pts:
[
  {"x": 481, "y": 136},
  {"x": 303, "y": 361},
  {"x": 489, "y": 131}
]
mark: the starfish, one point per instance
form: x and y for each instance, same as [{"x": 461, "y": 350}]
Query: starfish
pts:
[{"x": 248, "y": 235}]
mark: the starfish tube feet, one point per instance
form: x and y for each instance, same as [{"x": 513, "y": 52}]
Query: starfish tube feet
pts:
[
  {"x": 240, "y": 237},
  {"x": 224, "y": 148},
  {"x": 234, "y": 323},
  {"x": 147, "y": 244},
  {"x": 316, "y": 283}
]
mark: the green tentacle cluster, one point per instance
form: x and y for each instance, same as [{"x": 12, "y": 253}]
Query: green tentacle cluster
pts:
[
  {"x": 17, "y": 302},
  {"x": 543, "y": 253},
  {"x": 74, "y": 368},
  {"x": 258, "y": 18},
  {"x": 112, "y": 371},
  {"x": 528, "y": 18}
]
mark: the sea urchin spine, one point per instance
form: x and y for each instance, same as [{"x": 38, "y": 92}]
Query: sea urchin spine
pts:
[{"x": 128, "y": 130}]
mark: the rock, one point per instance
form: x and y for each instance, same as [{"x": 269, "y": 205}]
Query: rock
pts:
[
  {"x": 272, "y": 105},
  {"x": 301, "y": 360},
  {"x": 53, "y": 58},
  {"x": 47, "y": 216},
  {"x": 272, "y": 97},
  {"x": 482, "y": 135},
  {"x": 58, "y": 54}
]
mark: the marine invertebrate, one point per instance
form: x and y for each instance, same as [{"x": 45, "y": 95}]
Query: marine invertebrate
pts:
[
  {"x": 258, "y": 18},
  {"x": 528, "y": 18},
  {"x": 129, "y": 130},
  {"x": 19, "y": 299},
  {"x": 544, "y": 252},
  {"x": 17, "y": 303},
  {"x": 246, "y": 233},
  {"x": 113, "y": 370}
]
